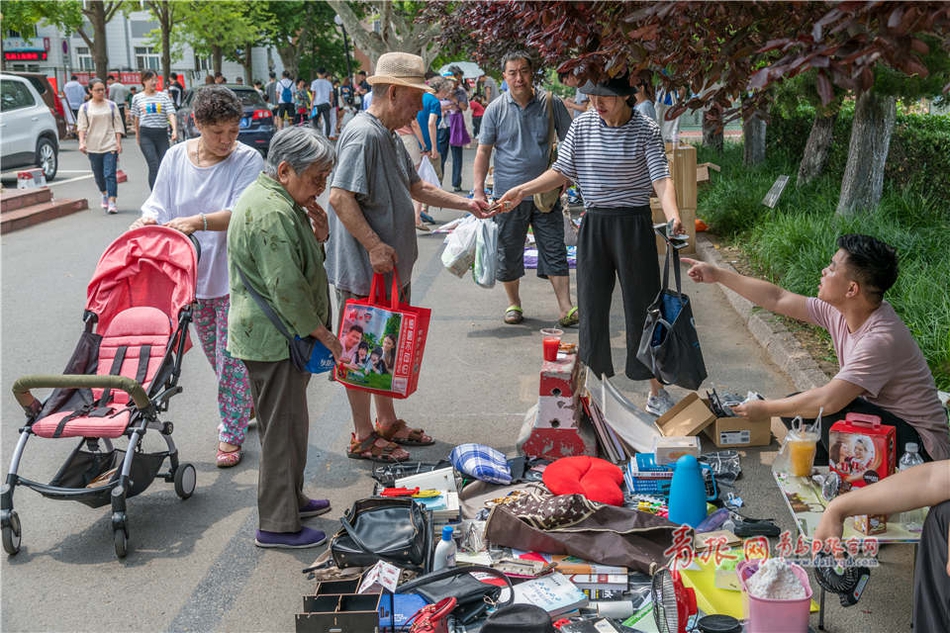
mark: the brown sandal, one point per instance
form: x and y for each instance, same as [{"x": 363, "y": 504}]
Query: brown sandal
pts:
[
  {"x": 415, "y": 437},
  {"x": 371, "y": 449}
]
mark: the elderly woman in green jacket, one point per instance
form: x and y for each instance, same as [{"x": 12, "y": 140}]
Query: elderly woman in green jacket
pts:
[{"x": 274, "y": 239}]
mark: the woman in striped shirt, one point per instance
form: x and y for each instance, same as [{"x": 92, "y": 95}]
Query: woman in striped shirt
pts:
[
  {"x": 617, "y": 158},
  {"x": 153, "y": 113}
]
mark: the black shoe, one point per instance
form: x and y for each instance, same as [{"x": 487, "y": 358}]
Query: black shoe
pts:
[{"x": 458, "y": 189}]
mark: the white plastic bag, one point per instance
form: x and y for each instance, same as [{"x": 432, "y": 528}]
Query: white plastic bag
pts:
[
  {"x": 486, "y": 254},
  {"x": 427, "y": 172},
  {"x": 459, "y": 253}
]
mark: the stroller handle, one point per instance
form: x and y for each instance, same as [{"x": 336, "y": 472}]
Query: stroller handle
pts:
[{"x": 21, "y": 388}]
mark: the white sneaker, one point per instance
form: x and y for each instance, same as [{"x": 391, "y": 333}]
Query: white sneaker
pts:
[{"x": 660, "y": 403}]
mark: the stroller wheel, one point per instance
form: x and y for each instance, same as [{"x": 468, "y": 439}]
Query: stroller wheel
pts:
[
  {"x": 121, "y": 540},
  {"x": 11, "y": 534},
  {"x": 185, "y": 480}
]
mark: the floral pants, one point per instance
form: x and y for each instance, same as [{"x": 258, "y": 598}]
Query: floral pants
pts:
[{"x": 234, "y": 390}]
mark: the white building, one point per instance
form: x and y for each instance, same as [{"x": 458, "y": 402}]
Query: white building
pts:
[{"x": 51, "y": 52}]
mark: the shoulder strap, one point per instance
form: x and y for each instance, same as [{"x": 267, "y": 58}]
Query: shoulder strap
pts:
[
  {"x": 549, "y": 107},
  {"x": 264, "y": 306}
]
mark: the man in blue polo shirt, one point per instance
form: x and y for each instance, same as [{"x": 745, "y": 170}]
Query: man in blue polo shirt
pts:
[{"x": 516, "y": 127}]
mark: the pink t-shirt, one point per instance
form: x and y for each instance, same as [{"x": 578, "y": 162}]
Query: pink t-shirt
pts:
[{"x": 883, "y": 358}]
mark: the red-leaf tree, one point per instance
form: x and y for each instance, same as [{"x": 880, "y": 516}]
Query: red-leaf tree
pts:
[{"x": 723, "y": 52}]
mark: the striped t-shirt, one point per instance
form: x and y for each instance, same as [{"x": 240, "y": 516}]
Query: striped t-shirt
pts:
[
  {"x": 153, "y": 110},
  {"x": 614, "y": 166}
]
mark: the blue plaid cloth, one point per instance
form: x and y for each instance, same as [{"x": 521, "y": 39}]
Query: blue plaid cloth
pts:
[{"x": 481, "y": 462}]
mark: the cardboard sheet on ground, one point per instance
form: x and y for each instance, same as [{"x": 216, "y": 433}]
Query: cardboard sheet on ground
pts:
[
  {"x": 710, "y": 598},
  {"x": 634, "y": 426}
]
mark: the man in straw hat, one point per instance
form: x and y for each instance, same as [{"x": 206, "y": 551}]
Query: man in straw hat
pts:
[{"x": 372, "y": 228}]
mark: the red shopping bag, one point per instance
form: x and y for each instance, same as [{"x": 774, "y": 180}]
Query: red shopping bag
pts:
[{"x": 382, "y": 343}]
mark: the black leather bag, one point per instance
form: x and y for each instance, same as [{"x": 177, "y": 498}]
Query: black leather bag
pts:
[
  {"x": 397, "y": 531},
  {"x": 472, "y": 595},
  {"x": 523, "y": 618},
  {"x": 669, "y": 345}
]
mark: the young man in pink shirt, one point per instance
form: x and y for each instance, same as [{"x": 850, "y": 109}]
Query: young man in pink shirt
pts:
[{"x": 882, "y": 371}]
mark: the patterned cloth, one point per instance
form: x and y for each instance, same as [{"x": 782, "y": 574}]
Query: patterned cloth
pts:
[
  {"x": 481, "y": 462},
  {"x": 234, "y": 390},
  {"x": 550, "y": 512}
]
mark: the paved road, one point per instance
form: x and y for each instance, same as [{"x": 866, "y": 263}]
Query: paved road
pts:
[{"x": 192, "y": 564}]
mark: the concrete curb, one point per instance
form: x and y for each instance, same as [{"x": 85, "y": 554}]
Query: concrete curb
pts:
[{"x": 782, "y": 347}]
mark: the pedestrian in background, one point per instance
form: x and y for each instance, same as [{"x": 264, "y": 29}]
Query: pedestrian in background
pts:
[
  {"x": 321, "y": 89},
  {"x": 154, "y": 114},
  {"x": 75, "y": 95},
  {"x": 198, "y": 185},
  {"x": 301, "y": 102},
  {"x": 100, "y": 137},
  {"x": 277, "y": 210},
  {"x": 175, "y": 90},
  {"x": 642, "y": 82},
  {"x": 117, "y": 95}
]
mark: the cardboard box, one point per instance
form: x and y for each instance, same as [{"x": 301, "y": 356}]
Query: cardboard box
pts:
[
  {"x": 688, "y": 417},
  {"x": 667, "y": 450},
  {"x": 30, "y": 179},
  {"x": 738, "y": 432}
]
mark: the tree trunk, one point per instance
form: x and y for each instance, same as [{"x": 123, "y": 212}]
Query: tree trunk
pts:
[
  {"x": 289, "y": 57},
  {"x": 817, "y": 148},
  {"x": 712, "y": 127},
  {"x": 96, "y": 12},
  {"x": 863, "y": 180},
  {"x": 248, "y": 49},
  {"x": 217, "y": 57},
  {"x": 753, "y": 136},
  {"x": 166, "y": 44}
]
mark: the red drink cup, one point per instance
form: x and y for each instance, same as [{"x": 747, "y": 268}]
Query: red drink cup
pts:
[{"x": 551, "y": 342}]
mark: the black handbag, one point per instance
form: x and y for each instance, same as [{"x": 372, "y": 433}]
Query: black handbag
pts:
[
  {"x": 472, "y": 595},
  {"x": 397, "y": 531},
  {"x": 523, "y": 618},
  {"x": 669, "y": 345}
]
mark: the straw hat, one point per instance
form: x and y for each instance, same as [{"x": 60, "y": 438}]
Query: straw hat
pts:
[{"x": 400, "y": 69}]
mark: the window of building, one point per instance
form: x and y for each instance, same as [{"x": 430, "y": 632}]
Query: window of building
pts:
[
  {"x": 84, "y": 60},
  {"x": 203, "y": 64},
  {"x": 147, "y": 59}
]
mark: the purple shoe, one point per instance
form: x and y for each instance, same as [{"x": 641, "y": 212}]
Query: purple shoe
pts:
[
  {"x": 314, "y": 508},
  {"x": 290, "y": 540}
]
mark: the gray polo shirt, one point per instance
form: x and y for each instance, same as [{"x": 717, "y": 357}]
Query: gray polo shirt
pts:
[
  {"x": 520, "y": 137},
  {"x": 373, "y": 163}
]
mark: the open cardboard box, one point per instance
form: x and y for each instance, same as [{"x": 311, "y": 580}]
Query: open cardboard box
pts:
[
  {"x": 738, "y": 432},
  {"x": 691, "y": 415}
]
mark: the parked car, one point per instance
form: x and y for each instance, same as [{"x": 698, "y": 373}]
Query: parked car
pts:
[
  {"x": 257, "y": 124},
  {"x": 28, "y": 134},
  {"x": 52, "y": 100}
]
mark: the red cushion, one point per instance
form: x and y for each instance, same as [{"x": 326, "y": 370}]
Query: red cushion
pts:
[{"x": 595, "y": 478}]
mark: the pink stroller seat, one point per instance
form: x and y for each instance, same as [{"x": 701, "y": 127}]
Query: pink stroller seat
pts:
[{"x": 133, "y": 346}]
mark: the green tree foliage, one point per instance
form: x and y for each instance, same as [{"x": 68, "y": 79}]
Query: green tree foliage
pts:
[{"x": 224, "y": 29}]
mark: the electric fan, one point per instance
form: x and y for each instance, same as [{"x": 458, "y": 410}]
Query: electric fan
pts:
[{"x": 673, "y": 602}]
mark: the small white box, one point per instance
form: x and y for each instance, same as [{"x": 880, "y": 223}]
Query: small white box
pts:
[
  {"x": 30, "y": 179},
  {"x": 669, "y": 449}
]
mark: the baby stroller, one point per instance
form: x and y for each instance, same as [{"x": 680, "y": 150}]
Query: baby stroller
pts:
[{"x": 121, "y": 375}]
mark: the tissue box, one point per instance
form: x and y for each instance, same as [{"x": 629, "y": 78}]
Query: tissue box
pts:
[{"x": 667, "y": 450}]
